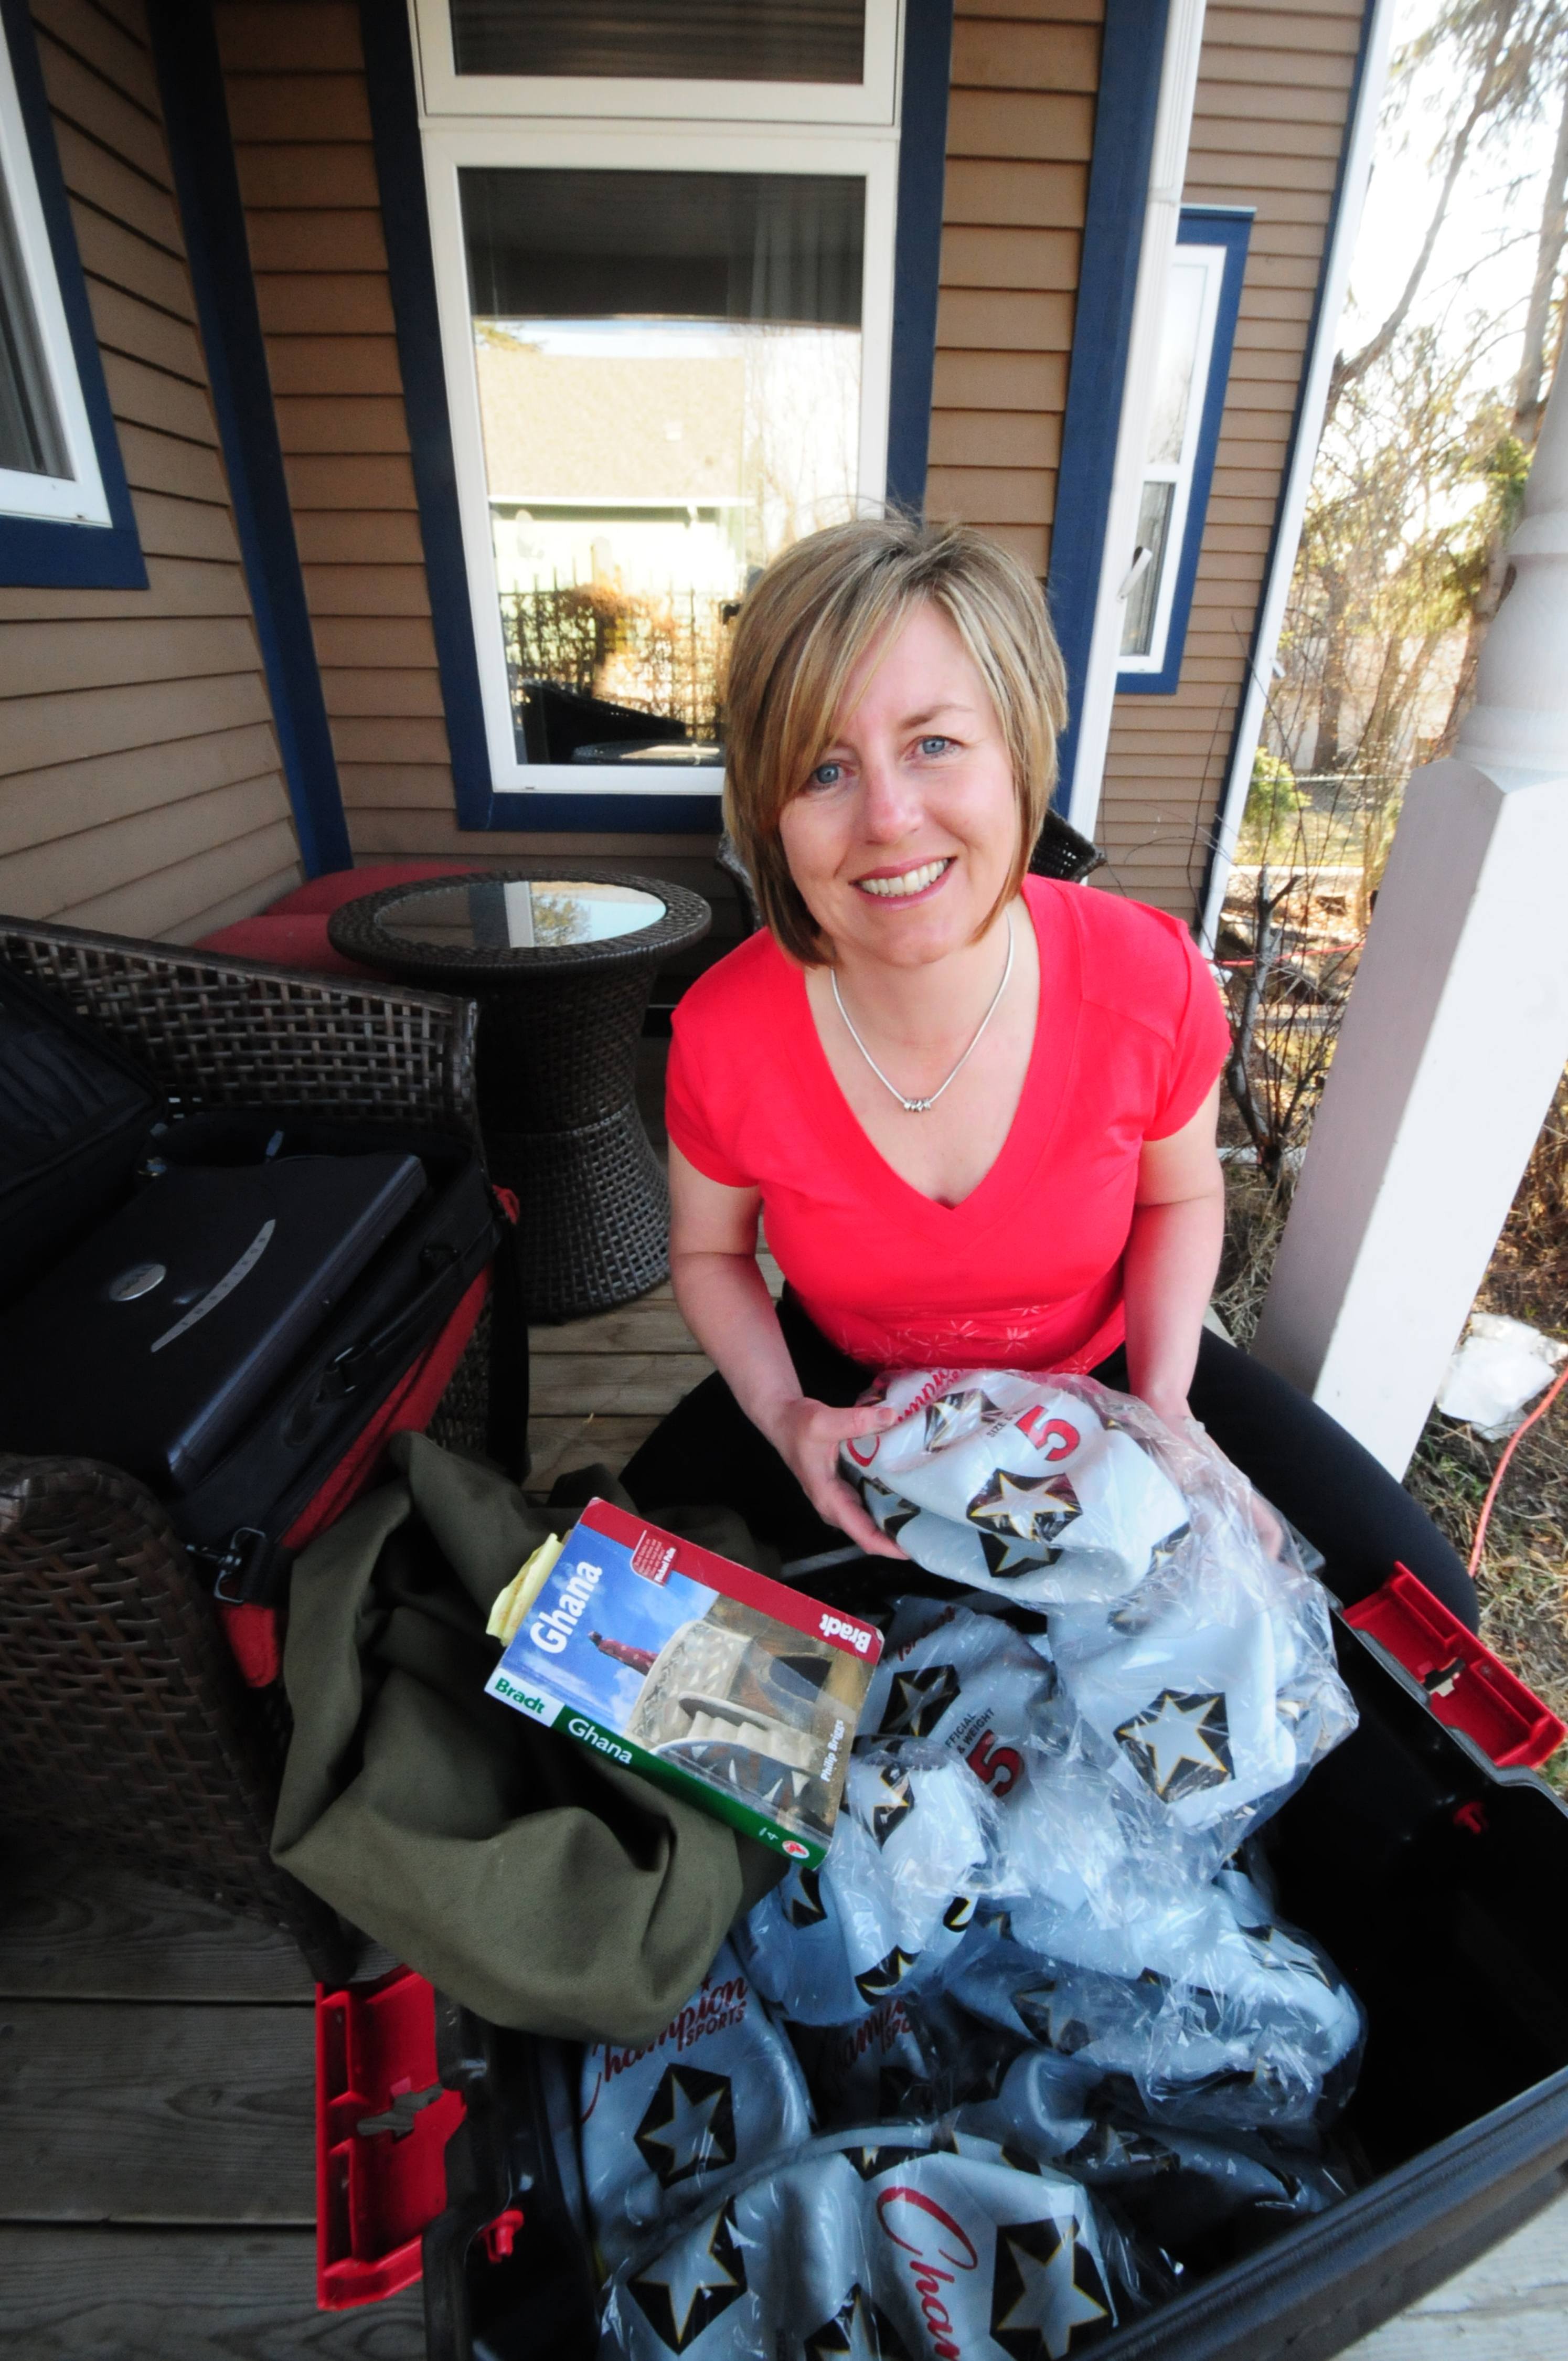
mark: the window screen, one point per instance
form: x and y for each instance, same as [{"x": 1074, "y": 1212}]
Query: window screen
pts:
[
  {"x": 700, "y": 40},
  {"x": 1185, "y": 340},
  {"x": 669, "y": 381},
  {"x": 32, "y": 441}
]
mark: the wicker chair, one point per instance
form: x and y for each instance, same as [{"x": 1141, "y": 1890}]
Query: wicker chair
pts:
[
  {"x": 125, "y": 1726},
  {"x": 1060, "y": 851}
]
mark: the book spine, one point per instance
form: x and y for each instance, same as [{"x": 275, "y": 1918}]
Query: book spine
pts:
[{"x": 611, "y": 1747}]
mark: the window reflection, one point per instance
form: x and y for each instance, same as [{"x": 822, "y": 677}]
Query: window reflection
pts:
[{"x": 669, "y": 379}]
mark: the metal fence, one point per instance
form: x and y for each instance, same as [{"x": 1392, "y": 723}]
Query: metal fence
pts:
[{"x": 661, "y": 651}]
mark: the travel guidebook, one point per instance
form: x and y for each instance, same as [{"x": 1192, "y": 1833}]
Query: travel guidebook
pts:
[{"x": 736, "y": 1692}]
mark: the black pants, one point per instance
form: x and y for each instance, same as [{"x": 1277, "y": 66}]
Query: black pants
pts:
[{"x": 707, "y": 1451}]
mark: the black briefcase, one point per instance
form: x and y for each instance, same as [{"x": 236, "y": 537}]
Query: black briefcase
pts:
[
  {"x": 251, "y": 1413},
  {"x": 162, "y": 1332}
]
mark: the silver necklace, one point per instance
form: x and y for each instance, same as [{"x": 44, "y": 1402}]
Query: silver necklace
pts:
[{"x": 923, "y": 1106}]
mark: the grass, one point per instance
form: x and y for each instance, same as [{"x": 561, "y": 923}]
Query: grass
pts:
[{"x": 1523, "y": 1576}]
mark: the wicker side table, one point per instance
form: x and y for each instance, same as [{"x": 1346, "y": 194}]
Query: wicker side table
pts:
[{"x": 562, "y": 967}]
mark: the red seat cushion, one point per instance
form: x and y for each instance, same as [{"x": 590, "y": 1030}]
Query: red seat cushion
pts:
[
  {"x": 330, "y": 893},
  {"x": 294, "y": 941}
]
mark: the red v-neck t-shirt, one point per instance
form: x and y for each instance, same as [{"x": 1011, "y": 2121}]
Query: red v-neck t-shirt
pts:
[{"x": 1025, "y": 1272}]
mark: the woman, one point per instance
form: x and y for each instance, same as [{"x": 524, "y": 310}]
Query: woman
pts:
[{"x": 976, "y": 1109}]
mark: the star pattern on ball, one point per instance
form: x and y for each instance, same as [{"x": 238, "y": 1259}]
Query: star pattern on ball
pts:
[
  {"x": 859, "y": 2331},
  {"x": 894, "y": 1805},
  {"x": 953, "y": 1414},
  {"x": 803, "y": 1903},
  {"x": 686, "y": 2289},
  {"x": 688, "y": 2126},
  {"x": 875, "y": 1984},
  {"x": 917, "y": 1701},
  {"x": 1110, "y": 2151},
  {"x": 1035, "y": 1509},
  {"x": 1052, "y": 2017},
  {"x": 1180, "y": 1745},
  {"x": 870, "y": 2163},
  {"x": 887, "y": 1509},
  {"x": 1045, "y": 2287}
]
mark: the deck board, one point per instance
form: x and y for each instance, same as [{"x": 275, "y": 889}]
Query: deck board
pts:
[
  {"x": 631, "y": 1384},
  {"x": 135, "y": 2110},
  {"x": 186, "y": 2295},
  {"x": 1511, "y": 2305},
  {"x": 598, "y": 1386},
  {"x": 70, "y": 1932}
]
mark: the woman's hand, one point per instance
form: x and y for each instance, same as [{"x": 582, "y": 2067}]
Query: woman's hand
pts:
[{"x": 806, "y": 1435}]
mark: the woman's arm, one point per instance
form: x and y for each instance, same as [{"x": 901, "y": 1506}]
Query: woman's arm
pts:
[
  {"x": 725, "y": 1302},
  {"x": 1171, "y": 1258}
]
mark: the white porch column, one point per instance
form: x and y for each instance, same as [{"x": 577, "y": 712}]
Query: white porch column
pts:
[{"x": 1456, "y": 1031}]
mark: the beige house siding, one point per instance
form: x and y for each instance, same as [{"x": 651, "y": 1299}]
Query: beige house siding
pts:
[
  {"x": 140, "y": 789},
  {"x": 295, "y": 78},
  {"x": 295, "y": 82},
  {"x": 1273, "y": 98},
  {"x": 1020, "y": 132}
]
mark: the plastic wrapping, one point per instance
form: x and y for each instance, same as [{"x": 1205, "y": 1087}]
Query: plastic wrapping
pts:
[
  {"x": 718, "y": 2092},
  {"x": 1215, "y": 2014},
  {"x": 1175, "y": 2186},
  {"x": 927, "y": 2245},
  {"x": 1051, "y": 1488},
  {"x": 919, "y": 1841},
  {"x": 1025, "y": 1962},
  {"x": 965, "y": 1683},
  {"x": 1199, "y": 1666}
]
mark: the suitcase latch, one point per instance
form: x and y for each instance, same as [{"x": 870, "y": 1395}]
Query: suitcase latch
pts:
[{"x": 241, "y": 1567}]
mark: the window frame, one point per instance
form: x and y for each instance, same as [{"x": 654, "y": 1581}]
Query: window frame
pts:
[
  {"x": 620, "y": 146},
  {"x": 446, "y": 93},
  {"x": 78, "y": 533},
  {"x": 1224, "y": 231}
]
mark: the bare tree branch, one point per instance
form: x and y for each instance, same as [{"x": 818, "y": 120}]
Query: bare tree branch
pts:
[{"x": 1346, "y": 371}]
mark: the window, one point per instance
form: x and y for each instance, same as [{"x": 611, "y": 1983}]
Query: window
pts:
[
  {"x": 734, "y": 60},
  {"x": 47, "y": 464},
  {"x": 64, "y": 513},
  {"x": 1202, "y": 299},
  {"x": 666, "y": 349}
]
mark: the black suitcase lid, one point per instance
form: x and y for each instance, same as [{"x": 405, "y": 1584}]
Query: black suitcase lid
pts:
[{"x": 152, "y": 1343}]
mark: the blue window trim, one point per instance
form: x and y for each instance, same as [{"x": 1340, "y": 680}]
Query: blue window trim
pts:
[
  {"x": 201, "y": 149},
  {"x": 1230, "y": 226},
  {"x": 400, "y": 164},
  {"x": 1132, "y": 55},
  {"x": 36, "y": 553},
  {"x": 917, "y": 249}
]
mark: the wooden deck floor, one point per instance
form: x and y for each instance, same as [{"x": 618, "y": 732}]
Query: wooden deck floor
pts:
[{"x": 156, "y": 2066}]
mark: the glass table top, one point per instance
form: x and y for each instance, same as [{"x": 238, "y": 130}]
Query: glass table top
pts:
[{"x": 506, "y": 915}]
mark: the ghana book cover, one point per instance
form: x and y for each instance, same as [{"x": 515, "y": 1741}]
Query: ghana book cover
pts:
[{"x": 734, "y": 1691}]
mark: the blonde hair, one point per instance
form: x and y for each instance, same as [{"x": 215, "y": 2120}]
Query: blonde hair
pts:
[{"x": 806, "y": 626}]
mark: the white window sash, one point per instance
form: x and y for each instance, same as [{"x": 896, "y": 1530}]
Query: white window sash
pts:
[
  {"x": 1212, "y": 259},
  {"x": 79, "y": 497},
  {"x": 618, "y": 146},
  {"x": 446, "y": 93}
]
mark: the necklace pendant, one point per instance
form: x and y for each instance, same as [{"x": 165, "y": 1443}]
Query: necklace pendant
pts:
[{"x": 918, "y": 1106}]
